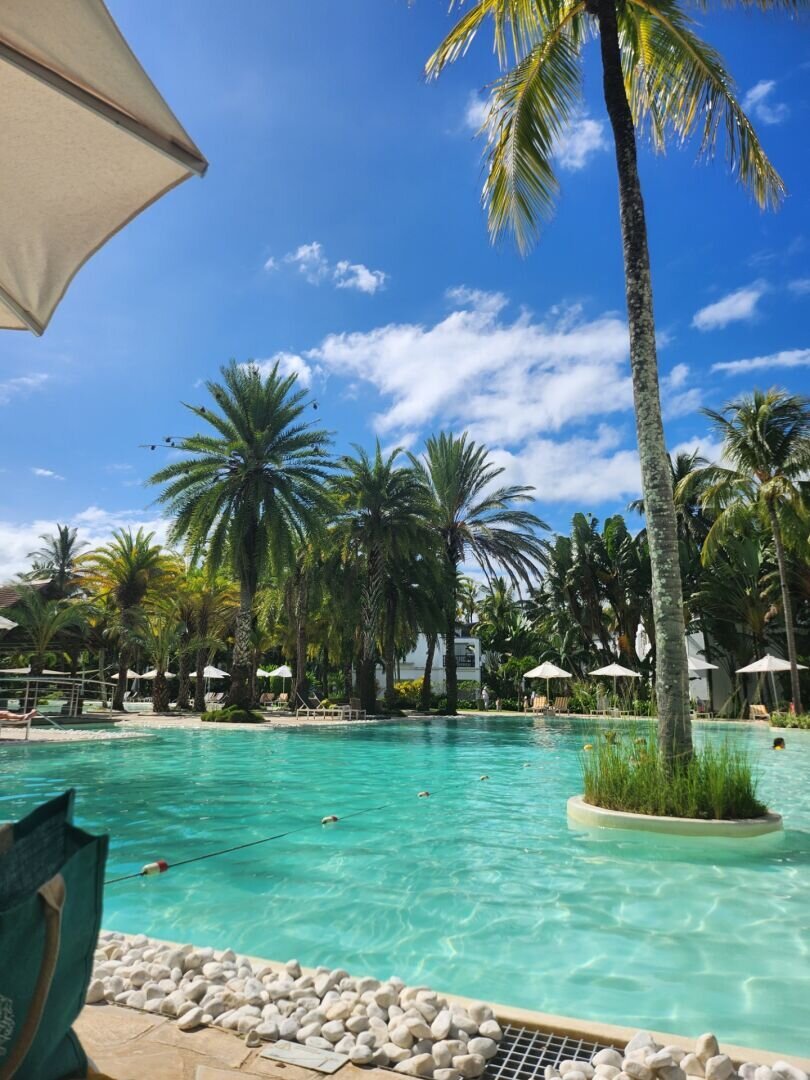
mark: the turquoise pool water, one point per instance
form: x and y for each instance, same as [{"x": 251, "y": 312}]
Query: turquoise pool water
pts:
[{"x": 481, "y": 889}]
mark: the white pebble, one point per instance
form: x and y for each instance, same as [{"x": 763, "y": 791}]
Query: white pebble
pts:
[
  {"x": 491, "y": 1029},
  {"x": 469, "y": 1065},
  {"x": 719, "y": 1067},
  {"x": 692, "y": 1065},
  {"x": 361, "y": 1055},
  {"x": 706, "y": 1047},
  {"x": 191, "y": 1019}
]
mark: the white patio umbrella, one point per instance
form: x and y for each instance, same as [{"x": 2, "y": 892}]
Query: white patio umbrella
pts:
[
  {"x": 284, "y": 672},
  {"x": 769, "y": 664},
  {"x": 211, "y": 672},
  {"x": 547, "y": 671},
  {"x": 152, "y": 674},
  {"x": 6, "y": 624},
  {"x": 130, "y": 675},
  {"x": 616, "y": 671},
  {"x": 262, "y": 674},
  {"x": 27, "y": 671},
  {"x": 88, "y": 143},
  {"x": 694, "y": 663}
]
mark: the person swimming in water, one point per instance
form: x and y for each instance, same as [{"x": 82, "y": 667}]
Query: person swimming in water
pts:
[{"x": 779, "y": 743}]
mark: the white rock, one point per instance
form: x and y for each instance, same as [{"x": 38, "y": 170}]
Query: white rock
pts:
[
  {"x": 607, "y": 1057},
  {"x": 446, "y": 1074},
  {"x": 396, "y": 1054},
  {"x": 706, "y": 1047},
  {"x": 417, "y": 1027},
  {"x": 637, "y": 1070},
  {"x": 361, "y": 1055},
  {"x": 487, "y": 1048},
  {"x": 421, "y": 1065},
  {"x": 153, "y": 1005},
  {"x": 670, "y": 1072},
  {"x": 288, "y": 1029},
  {"x": 551, "y": 1073},
  {"x": 584, "y": 1067},
  {"x": 333, "y": 1031},
  {"x": 339, "y": 1010},
  {"x": 308, "y": 1031},
  {"x": 641, "y": 1040},
  {"x": 747, "y": 1070},
  {"x": 346, "y": 1045},
  {"x": 253, "y": 1038},
  {"x": 318, "y": 1043},
  {"x": 787, "y": 1071},
  {"x": 440, "y": 1028},
  {"x": 293, "y": 969},
  {"x": 692, "y": 1065},
  {"x": 366, "y": 1038},
  {"x": 469, "y": 1065},
  {"x": 356, "y": 1024},
  {"x": 490, "y": 1029},
  {"x": 606, "y": 1072},
  {"x": 172, "y": 1002},
  {"x": 466, "y": 1024},
  {"x": 764, "y": 1073},
  {"x": 401, "y": 1036},
  {"x": 212, "y": 969},
  {"x": 95, "y": 992},
  {"x": 268, "y": 1030},
  {"x": 481, "y": 1012},
  {"x": 575, "y": 1074},
  {"x": 191, "y": 1019},
  {"x": 660, "y": 1059},
  {"x": 719, "y": 1067}
]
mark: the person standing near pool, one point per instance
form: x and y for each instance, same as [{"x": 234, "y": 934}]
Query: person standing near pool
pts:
[{"x": 485, "y": 698}]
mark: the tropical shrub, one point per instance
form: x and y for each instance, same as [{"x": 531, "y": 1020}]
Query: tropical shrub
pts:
[
  {"x": 583, "y": 697},
  {"x": 628, "y": 773},
  {"x": 789, "y": 720},
  {"x": 232, "y": 715},
  {"x": 406, "y": 693}
]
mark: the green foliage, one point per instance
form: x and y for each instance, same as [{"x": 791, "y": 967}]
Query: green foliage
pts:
[
  {"x": 232, "y": 715},
  {"x": 407, "y": 693},
  {"x": 583, "y": 697},
  {"x": 628, "y": 773},
  {"x": 790, "y": 720}
]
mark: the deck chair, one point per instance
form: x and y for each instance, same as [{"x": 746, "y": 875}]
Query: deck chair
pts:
[
  {"x": 23, "y": 720},
  {"x": 281, "y": 702},
  {"x": 540, "y": 703},
  {"x": 561, "y": 704},
  {"x": 601, "y": 704},
  {"x": 759, "y": 712},
  {"x": 267, "y": 699},
  {"x": 355, "y": 712}
]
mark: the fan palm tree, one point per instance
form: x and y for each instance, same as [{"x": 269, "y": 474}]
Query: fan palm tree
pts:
[
  {"x": 124, "y": 570},
  {"x": 56, "y": 559},
  {"x": 382, "y": 518},
  {"x": 766, "y": 440},
  {"x": 250, "y": 490},
  {"x": 470, "y": 517},
  {"x": 657, "y": 75}
]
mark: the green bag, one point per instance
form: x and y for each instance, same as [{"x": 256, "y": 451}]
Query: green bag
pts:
[{"x": 51, "y": 884}]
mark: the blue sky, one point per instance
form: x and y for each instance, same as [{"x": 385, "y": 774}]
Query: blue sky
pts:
[{"x": 339, "y": 228}]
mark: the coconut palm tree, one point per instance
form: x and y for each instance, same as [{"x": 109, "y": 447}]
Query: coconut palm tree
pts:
[
  {"x": 657, "y": 75},
  {"x": 766, "y": 441},
  {"x": 472, "y": 518},
  {"x": 383, "y": 507},
  {"x": 125, "y": 570},
  {"x": 57, "y": 559},
  {"x": 42, "y": 625},
  {"x": 250, "y": 489}
]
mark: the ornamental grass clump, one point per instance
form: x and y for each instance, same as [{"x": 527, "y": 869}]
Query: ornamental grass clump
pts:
[{"x": 628, "y": 773}]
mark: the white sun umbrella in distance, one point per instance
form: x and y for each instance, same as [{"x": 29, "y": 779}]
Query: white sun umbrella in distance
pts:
[
  {"x": 769, "y": 664},
  {"x": 6, "y": 624},
  {"x": 284, "y": 672},
  {"x": 547, "y": 671},
  {"x": 616, "y": 671},
  {"x": 211, "y": 672},
  {"x": 152, "y": 674},
  {"x": 88, "y": 143},
  {"x": 694, "y": 663},
  {"x": 27, "y": 671},
  {"x": 130, "y": 675}
]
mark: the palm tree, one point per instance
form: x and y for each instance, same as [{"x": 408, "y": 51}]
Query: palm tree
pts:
[
  {"x": 467, "y": 601},
  {"x": 657, "y": 73},
  {"x": 766, "y": 440},
  {"x": 56, "y": 559},
  {"x": 471, "y": 517},
  {"x": 382, "y": 517},
  {"x": 160, "y": 634},
  {"x": 124, "y": 570},
  {"x": 42, "y": 624},
  {"x": 250, "y": 490}
]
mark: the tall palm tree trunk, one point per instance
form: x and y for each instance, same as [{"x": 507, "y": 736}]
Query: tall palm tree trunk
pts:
[
  {"x": 425, "y": 693},
  {"x": 102, "y": 677},
  {"x": 672, "y": 685},
  {"x": 121, "y": 685},
  {"x": 389, "y": 643},
  {"x": 239, "y": 694},
  {"x": 160, "y": 693},
  {"x": 199, "y": 682},
  {"x": 450, "y": 668},
  {"x": 787, "y": 608},
  {"x": 183, "y": 680}
]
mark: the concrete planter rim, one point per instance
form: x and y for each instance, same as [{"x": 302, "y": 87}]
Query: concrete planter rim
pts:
[{"x": 584, "y": 813}]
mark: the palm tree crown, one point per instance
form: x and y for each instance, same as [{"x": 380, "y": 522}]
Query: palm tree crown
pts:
[{"x": 57, "y": 558}]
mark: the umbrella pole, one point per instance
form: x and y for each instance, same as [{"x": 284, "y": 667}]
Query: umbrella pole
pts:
[{"x": 773, "y": 693}]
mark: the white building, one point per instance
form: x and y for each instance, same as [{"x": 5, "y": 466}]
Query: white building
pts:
[{"x": 468, "y": 662}]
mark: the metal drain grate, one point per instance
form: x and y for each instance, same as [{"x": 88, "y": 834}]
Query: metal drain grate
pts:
[{"x": 523, "y": 1053}]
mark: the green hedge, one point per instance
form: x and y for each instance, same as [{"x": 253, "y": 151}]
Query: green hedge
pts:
[
  {"x": 786, "y": 720},
  {"x": 232, "y": 715}
]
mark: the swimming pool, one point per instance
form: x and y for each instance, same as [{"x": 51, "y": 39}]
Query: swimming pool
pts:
[{"x": 480, "y": 889}]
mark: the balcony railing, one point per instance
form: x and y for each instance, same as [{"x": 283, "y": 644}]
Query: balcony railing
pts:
[{"x": 465, "y": 659}]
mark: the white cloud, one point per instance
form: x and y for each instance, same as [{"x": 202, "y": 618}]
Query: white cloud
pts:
[
  {"x": 47, "y": 474},
  {"x": 800, "y": 286},
  {"x": 475, "y": 112},
  {"x": 787, "y": 358},
  {"x": 313, "y": 264},
  {"x": 677, "y": 399},
  {"x": 737, "y": 306},
  {"x": 504, "y": 381},
  {"x": 288, "y": 364},
  {"x": 583, "y": 138},
  {"x": 94, "y": 524},
  {"x": 21, "y": 385},
  {"x": 759, "y": 103},
  {"x": 118, "y": 468}
]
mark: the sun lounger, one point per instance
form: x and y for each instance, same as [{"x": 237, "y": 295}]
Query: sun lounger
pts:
[
  {"x": 561, "y": 705},
  {"x": 267, "y": 699},
  {"x": 23, "y": 720},
  {"x": 759, "y": 712},
  {"x": 355, "y": 712},
  {"x": 540, "y": 703}
]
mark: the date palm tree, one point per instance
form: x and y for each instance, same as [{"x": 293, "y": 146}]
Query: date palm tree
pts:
[
  {"x": 125, "y": 570},
  {"x": 250, "y": 489},
  {"x": 766, "y": 441},
  {"x": 657, "y": 75},
  {"x": 42, "y": 625},
  {"x": 383, "y": 507},
  {"x": 470, "y": 517}
]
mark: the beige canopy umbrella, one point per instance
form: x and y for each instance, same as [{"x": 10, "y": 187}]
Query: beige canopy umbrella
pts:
[
  {"x": 616, "y": 671},
  {"x": 547, "y": 671},
  {"x": 88, "y": 142},
  {"x": 6, "y": 624},
  {"x": 152, "y": 674},
  {"x": 27, "y": 671},
  {"x": 130, "y": 675},
  {"x": 694, "y": 663},
  {"x": 769, "y": 664}
]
